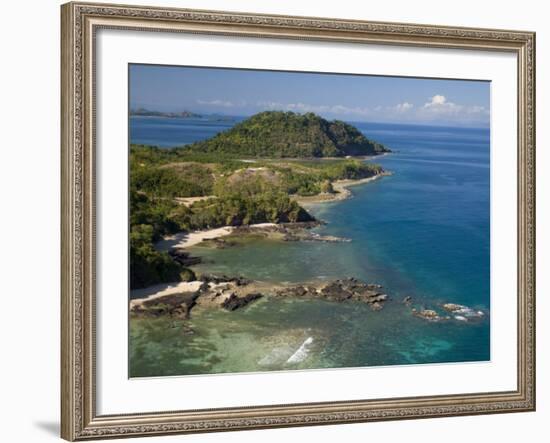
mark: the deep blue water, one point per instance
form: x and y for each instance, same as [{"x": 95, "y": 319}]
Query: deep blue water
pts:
[
  {"x": 170, "y": 132},
  {"x": 430, "y": 221},
  {"x": 423, "y": 231}
]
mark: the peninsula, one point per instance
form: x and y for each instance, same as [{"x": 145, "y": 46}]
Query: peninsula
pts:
[{"x": 256, "y": 172}]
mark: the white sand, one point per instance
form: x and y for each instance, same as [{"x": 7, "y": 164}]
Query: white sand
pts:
[
  {"x": 263, "y": 225},
  {"x": 152, "y": 292},
  {"x": 186, "y": 239}
]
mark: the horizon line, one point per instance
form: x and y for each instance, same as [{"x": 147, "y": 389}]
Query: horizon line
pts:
[{"x": 444, "y": 124}]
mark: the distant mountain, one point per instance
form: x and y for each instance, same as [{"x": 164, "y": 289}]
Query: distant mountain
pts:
[
  {"x": 147, "y": 113},
  {"x": 287, "y": 134}
]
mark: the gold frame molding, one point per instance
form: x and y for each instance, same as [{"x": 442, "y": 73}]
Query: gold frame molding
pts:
[{"x": 79, "y": 22}]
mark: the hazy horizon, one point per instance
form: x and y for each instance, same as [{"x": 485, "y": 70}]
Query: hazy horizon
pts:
[{"x": 353, "y": 98}]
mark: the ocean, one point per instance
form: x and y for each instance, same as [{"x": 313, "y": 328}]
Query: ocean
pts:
[{"x": 422, "y": 232}]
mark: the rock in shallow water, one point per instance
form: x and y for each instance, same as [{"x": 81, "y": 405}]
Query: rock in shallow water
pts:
[
  {"x": 426, "y": 314},
  {"x": 174, "y": 305},
  {"x": 460, "y": 313},
  {"x": 234, "y": 302},
  {"x": 340, "y": 291}
]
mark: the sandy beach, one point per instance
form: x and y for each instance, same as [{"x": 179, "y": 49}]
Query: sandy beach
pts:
[
  {"x": 187, "y": 239},
  {"x": 183, "y": 240},
  {"x": 139, "y": 296}
]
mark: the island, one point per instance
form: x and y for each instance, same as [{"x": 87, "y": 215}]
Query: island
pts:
[
  {"x": 142, "y": 112},
  {"x": 278, "y": 134}
]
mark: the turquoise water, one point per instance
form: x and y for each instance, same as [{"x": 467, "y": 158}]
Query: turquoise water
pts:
[{"x": 423, "y": 232}]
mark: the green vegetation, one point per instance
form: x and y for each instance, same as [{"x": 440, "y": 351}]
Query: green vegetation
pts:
[
  {"x": 181, "y": 180},
  {"x": 148, "y": 266},
  {"x": 240, "y": 190},
  {"x": 276, "y": 134},
  {"x": 238, "y": 209}
]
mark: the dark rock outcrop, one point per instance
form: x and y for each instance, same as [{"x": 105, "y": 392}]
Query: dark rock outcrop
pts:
[
  {"x": 175, "y": 305},
  {"x": 340, "y": 291},
  {"x": 184, "y": 258},
  {"x": 234, "y": 302}
]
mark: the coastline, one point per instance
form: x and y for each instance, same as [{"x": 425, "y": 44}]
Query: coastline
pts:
[
  {"x": 341, "y": 191},
  {"x": 183, "y": 240},
  {"x": 139, "y": 296}
]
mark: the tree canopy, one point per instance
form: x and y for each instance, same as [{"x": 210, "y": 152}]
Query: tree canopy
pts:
[{"x": 278, "y": 134}]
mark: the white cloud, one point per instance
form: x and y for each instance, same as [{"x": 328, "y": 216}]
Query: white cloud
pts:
[
  {"x": 438, "y": 100},
  {"x": 223, "y": 103},
  {"x": 403, "y": 107},
  {"x": 439, "y": 104},
  {"x": 328, "y": 109},
  {"x": 437, "y": 109},
  {"x": 477, "y": 110}
]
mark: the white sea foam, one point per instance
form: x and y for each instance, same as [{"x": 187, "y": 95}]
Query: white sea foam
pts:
[
  {"x": 302, "y": 352},
  {"x": 277, "y": 356}
]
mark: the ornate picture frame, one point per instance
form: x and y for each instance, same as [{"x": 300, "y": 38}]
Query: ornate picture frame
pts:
[{"x": 80, "y": 22}]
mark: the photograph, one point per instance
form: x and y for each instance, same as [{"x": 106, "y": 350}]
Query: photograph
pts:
[
  {"x": 286, "y": 220},
  {"x": 277, "y": 218}
]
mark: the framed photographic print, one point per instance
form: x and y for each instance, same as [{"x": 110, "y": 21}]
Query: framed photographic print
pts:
[{"x": 282, "y": 221}]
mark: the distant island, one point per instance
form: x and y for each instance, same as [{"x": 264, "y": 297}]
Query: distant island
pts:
[
  {"x": 142, "y": 112},
  {"x": 277, "y": 134}
]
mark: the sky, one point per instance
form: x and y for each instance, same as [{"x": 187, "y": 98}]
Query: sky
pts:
[{"x": 355, "y": 98}]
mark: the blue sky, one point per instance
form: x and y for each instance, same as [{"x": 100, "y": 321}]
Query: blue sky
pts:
[{"x": 333, "y": 96}]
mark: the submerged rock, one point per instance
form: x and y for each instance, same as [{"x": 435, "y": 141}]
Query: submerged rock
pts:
[
  {"x": 458, "y": 312},
  {"x": 184, "y": 258},
  {"x": 376, "y": 306},
  {"x": 463, "y": 313},
  {"x": 221, "y": 243},
  {"x": 426, "y": 314},
  {"x": 297, "y": 291}
]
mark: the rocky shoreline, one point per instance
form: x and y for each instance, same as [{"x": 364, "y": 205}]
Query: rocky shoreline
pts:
[
  {"x": 233, "y": 293},
  {"x": 287, "y": 232},
  {"x": 226, "y": 237}
]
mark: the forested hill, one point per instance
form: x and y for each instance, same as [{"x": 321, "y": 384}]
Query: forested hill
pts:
[{"x": 287, "y": 134}]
